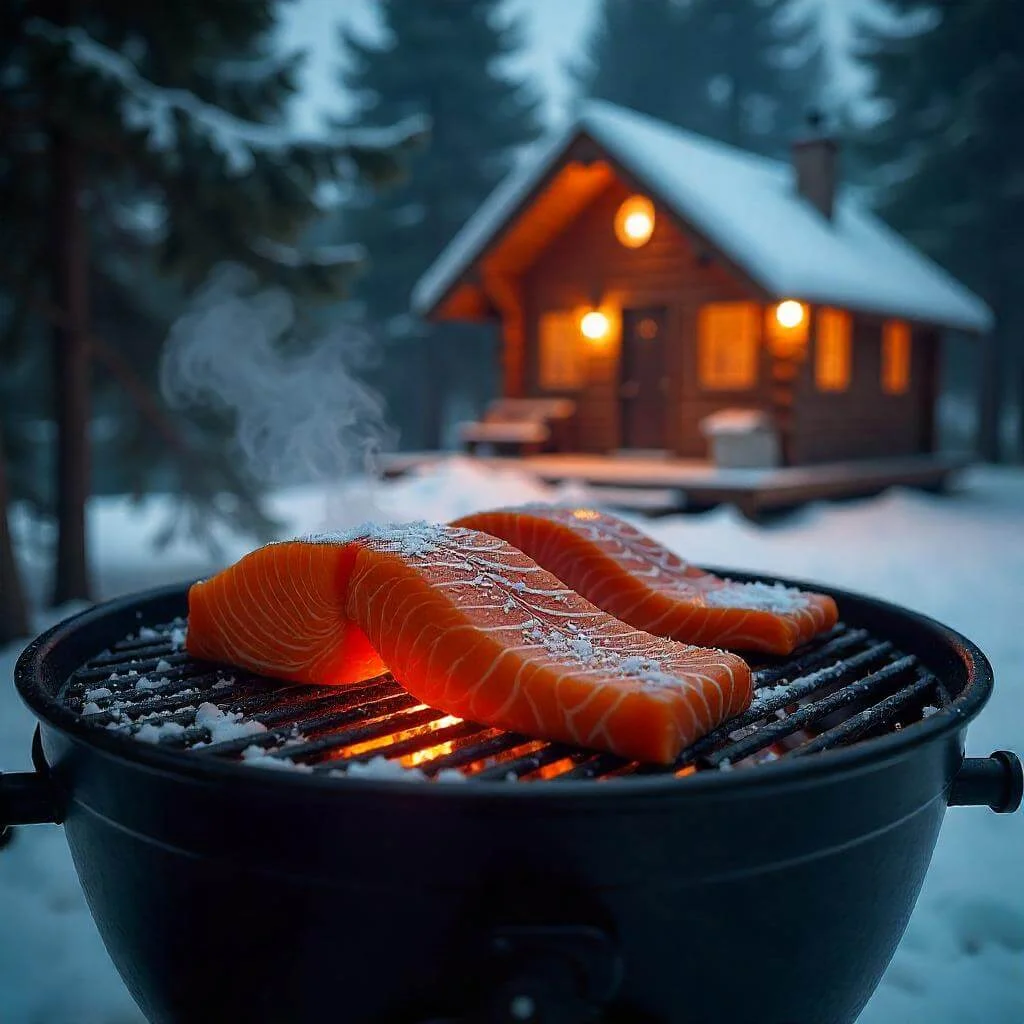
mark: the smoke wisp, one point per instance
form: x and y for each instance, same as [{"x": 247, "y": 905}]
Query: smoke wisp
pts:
[{"x": 300, "y": 413}]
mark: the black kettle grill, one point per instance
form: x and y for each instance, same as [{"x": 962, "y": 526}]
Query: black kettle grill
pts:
[{"x": 766, "y": 876}]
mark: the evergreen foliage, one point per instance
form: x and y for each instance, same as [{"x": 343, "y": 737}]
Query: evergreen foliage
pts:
[
  {"x": 947, "y": 151},
  {"x": 449, "y": 62},
  {"x": 743, "y": 71},
  {"x": 144, "y": 144}
]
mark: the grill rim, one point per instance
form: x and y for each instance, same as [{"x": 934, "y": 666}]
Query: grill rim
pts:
[{"x": 34, "y": 667}]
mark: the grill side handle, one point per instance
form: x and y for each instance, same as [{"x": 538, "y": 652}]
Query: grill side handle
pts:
[
  {"x": 28, "y": 798},
  {"x": 996, "y": 781}
]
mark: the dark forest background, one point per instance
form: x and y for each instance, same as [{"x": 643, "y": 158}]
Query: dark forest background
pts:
[{"x": 144, "y": 144}]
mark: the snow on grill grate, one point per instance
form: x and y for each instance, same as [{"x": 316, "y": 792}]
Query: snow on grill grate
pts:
[{"x": 844, "y": 687}]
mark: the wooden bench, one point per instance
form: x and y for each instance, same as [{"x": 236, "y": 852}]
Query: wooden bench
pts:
[{"x": 522, "y": 426}]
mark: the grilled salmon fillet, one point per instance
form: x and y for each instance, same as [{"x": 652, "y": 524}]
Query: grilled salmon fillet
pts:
[
  {"x": 469, "y": 625},
  {"x": 636, "y": 579}
]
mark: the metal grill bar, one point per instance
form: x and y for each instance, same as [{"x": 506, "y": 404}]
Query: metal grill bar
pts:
[
  {"x": 496, "y": 750},
  {"x": 842, "y": 688},
  {"x": 808, "y": 714},
  {"x": 859, "y": 725}
]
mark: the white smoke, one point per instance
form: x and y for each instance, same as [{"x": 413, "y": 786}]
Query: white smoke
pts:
[{"x": 300, "y": 413}]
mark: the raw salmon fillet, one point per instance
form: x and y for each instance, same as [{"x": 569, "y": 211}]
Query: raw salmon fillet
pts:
[
  {"x": 636, "y": 579},
  {"x": 469, "y": 625}
]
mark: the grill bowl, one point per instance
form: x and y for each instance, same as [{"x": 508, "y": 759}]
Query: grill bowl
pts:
[{"x": 776, "y": 893}]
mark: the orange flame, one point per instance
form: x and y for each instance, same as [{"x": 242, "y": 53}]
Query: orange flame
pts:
[
  {"x": 402, "y": 734},
  {"x": 553, "y": 770}
]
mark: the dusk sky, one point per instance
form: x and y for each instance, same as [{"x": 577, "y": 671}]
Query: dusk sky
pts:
[{"x": 557, "y": 32}]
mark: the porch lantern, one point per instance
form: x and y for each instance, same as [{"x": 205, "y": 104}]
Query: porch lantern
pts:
[
  {"x": 634, "y": 222},
  {"x": 594, "y": 325},
  {"x": 786, "y": 329},
  {"x": 789, "y": 313}
]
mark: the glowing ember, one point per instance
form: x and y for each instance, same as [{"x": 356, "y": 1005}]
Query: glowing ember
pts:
[
  {"x": 419, "y": 757},
  {"x": 551, "y": 771},
  {"x": 401, "y": 734},
  {"x": 512, "y": 754}
]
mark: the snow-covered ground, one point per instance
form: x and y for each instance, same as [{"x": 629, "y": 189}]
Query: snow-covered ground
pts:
[{"x": 959, "y": 558}]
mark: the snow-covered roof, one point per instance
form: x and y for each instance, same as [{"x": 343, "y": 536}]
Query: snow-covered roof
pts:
[{"x": 747, "y": 206}]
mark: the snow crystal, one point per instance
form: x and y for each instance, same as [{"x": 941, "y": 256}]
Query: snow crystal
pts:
[
  {"x": 768, "y": 597},
  {"x": 380, "y": 768},
  {"x": 225, "y": 725},
  {"x": 177, "y": 637},
  {"x": 260, "y": 758},
  {"x": 583, "y": 650},
  {"x": 99, "y": 693},
  {"x": 91, "y": 708},
  {"x": 149, "y": 733},
  {"x": 769, "y": 694},
  {"x": 163, "y": 665},
  {"x": 928, "y": 710},
  {"x": 413, "y": 540},
  {"x": 142, "y": 683},
  {"x": 582, "y": 646},
  {"x": 146, "y": 633}
]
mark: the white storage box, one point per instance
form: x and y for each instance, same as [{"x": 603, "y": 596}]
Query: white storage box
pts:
[{"x": 741, "y": 439}]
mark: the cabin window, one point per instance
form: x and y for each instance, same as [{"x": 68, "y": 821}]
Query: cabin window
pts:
[
  {"x": 562, "y": 355},
  {"x": 727, "y": 345},
  {"x": 895, "y": 357},
  {"x": 832, "y": 350}
]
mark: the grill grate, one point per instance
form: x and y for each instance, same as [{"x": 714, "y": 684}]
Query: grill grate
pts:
[{"x": 845, "y": 687}]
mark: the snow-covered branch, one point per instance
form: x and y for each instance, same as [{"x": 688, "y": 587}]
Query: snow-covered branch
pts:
[
  {"x": 153, "y": 109},
  {"x": 320, "y": 256}
]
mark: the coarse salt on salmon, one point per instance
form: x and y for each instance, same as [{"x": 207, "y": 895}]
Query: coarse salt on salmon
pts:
[
  {"x": 469, "y": 625},
  {"x": 636, "y": 579}
]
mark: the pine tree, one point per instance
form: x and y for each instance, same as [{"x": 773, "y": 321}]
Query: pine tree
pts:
[
  {"x": 648, "y": 57},
  {"x": 447, "y": 60},
  {"x": 170, "y": 114},
  {"x": 744, "y": 71},
  {"x": 13, "y": 607},
  {"x": 947, "y": 152}
]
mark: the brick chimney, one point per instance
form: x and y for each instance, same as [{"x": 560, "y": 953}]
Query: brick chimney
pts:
[{"x": 816, "y": 163}]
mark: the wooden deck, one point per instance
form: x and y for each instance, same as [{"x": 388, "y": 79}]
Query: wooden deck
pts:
[{"x": 662, "y": 485}]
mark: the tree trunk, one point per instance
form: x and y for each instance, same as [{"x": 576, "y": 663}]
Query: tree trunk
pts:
[
  {"x": 69, "y": 288},
  {"x": 13, "y": 607}
]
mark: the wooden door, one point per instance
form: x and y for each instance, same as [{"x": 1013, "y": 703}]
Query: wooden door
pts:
[{"x": 642, "y": 377}]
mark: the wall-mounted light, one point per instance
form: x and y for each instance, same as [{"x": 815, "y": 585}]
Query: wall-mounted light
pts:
[
  {"x": 595, "y": 325},
  {"x": 634, "y": 221},
  {"x": 789, "y": 313},
  {"x": 786, "y": 329}
]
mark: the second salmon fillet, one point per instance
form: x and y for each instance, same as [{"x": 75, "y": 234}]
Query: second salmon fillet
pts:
[
  {"x": 633, "y": 577},
  {"x": 469, "y": 625}
]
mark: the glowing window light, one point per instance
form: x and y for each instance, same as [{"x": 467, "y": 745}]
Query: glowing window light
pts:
[
  {"x": 634, "y": 221},
  {"x": 594, "y": 325},
  {"x": 789, "y": 313}
]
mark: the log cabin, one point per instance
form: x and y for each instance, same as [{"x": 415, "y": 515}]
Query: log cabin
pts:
[{"x": 655, "y": 278}]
